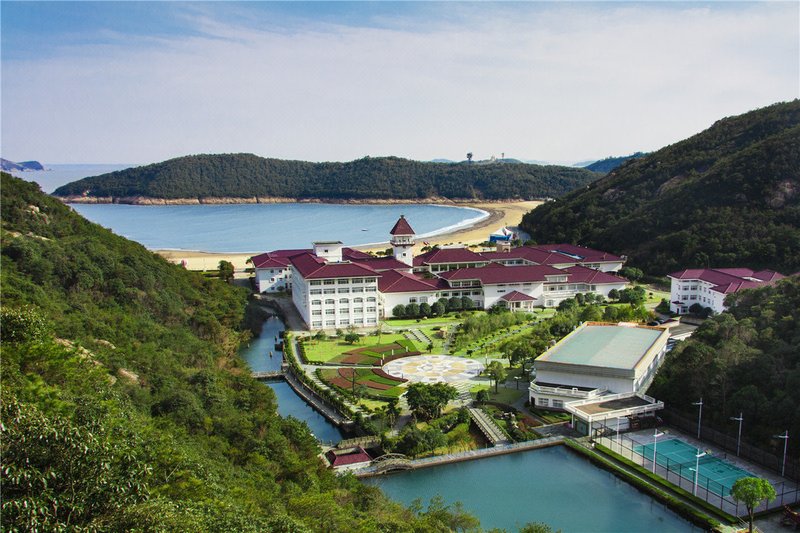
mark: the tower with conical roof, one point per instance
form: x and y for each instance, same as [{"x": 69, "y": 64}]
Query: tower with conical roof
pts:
[{"x": 402, "y": 241}]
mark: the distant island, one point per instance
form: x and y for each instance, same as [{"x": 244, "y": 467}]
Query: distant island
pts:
[
  {"x": 247, "y": 178},
  {"x": 8, "y": 166}
]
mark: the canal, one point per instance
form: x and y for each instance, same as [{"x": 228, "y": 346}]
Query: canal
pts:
[
  {"x": 550, "y": 485},
  {"x": 257, "y": 355}
]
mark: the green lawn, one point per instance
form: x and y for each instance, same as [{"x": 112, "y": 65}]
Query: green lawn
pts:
[
  {"x": 412, "y": 322},
  {"x": 503, "y": 395},
  {"x": 324, "y": 351}
]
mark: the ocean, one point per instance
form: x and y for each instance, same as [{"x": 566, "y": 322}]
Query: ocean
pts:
[{"x": 255, "y": 228}]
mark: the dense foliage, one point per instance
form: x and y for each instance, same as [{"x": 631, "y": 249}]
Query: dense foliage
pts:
[
  {"x": 125, "y": 406},
  {"x": 742, "y": 361},
  {"x": 729, "y": 196},
  {"x": 610, "y": 163},
  {"x": 249, "y": 176}
]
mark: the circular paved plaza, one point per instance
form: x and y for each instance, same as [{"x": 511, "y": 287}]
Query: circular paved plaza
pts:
[{"x": 434, "y": 368}]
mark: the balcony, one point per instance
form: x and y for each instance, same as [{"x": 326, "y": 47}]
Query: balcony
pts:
[{"x": 566, "y": 391}]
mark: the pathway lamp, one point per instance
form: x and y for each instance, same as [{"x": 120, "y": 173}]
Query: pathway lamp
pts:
[
  {"x": 698, "y": 455},
  {"x": 739, "y": 438},
  {"x": 699, "y": 415},
  {"x": 785, "y": 438},
  {"x": 656, "y": 434}
]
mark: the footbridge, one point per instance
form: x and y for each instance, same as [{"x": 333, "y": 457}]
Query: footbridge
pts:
[
  {"x": 272, "y": 375},
  {"x": 390, "y": 462}
]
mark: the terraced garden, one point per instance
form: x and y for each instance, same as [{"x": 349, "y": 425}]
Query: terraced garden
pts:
[
  {"x": 378, "y": 383},
  {"x": 376, "y": 355}
]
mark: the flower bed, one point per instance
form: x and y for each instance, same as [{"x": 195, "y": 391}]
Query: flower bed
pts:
[
  {"x": 376, "y": 355},
  {"x": 379, "y": 384}
]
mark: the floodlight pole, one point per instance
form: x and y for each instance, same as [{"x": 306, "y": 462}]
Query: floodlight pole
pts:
[
  {"x": 785, "y": 438},
  {"x": 697, "y": 470},
  {"x": 656, "y": 434},
  {"x": 699, "y": 415},
  {"x": 739, "y": 438}
]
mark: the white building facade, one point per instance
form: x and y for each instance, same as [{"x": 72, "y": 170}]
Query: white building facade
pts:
[{"x": 708, "y": 287}]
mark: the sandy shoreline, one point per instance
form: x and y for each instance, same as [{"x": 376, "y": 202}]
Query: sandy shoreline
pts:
[{"x": 500, "y": 214}]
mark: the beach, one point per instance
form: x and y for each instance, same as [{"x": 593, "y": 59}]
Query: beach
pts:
[{"x": 501, "y": 214}]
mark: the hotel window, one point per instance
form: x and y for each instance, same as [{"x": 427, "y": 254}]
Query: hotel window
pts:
[
  {"x": 423, "y": 299},
  {"x": 316, "y": 291},
  {"x": 543, "y": 402},
  {"x": 370, "y": 298},
  {"x": 500, "y": 291},
  {"x": 343, "y": 281},
  {"x": 358, "y": 280},
  {"x": 370, "y": 321},
  {"x": 370, "y": 309},
  {"x": 357, "y": 289},
  {"x": 476, "y": 293},
  {"x": 369, "y": 280},
  {"x": 694, "y": 297},
  {"x": 344, "y": 310},
  {"x": 372, "y": 289},
  {"x": 344, "y": 301},
  {"x": 316, "y": 324},
  {"x": 330, "y": 311},
  {"x": 561, "y": 287},
  {"x": 358, "y": 321},
  {"x": 343, "y": 290},
  {"x": 330, "y": 291},
  {"x": 684, "y": 297},
  {"x": 330, "y": 322},
  {"x": 329, "y": 282},
  {"x": 358, "y": 310},
  {"x": 315, "y": 282},
  {"x": 412, "y": 300},
  {"x": 344, "y": 322},
  {"x": 330, "y": 301},
  {"x": 558, "y": 404},
  {"x": 358, "y": 300},
  {"x": 316, "y": 302},
  {"x": 316, "y": 312}
]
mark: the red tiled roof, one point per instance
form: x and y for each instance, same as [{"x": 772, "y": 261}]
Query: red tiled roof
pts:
[
  {"x": 312, "y": 267},
  {"x": 394, "y": 281},
  {"x": 582, "y": 274},
  {"x": 351, "y": 254},
  {"x": 357, "y": 455},
  {"x": 402, "y": 227},
  {"x": 276, "y": 259},
  {"x": 516, "y": 296},
  {"x": 728, "y": 280},
  {"x": 534, "y": 255},
  {"x": 494, "y": 274},
  {"x": 290, "y": 253},
  {"x": 584, "y": 254},
  {"x": 382, "y": 263},
  {"x": 448, "y": 255}
]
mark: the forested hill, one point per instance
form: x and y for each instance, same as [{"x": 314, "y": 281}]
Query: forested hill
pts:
[
  {"x": 125, "y": 407},
  {"x": 743, "y": 361},
  {"x": 729, "y": 196},
  {"x": 610, "y": 163},
  {"x": 250, "y": 176}
]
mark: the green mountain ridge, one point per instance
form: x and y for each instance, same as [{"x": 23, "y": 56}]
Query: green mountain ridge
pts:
[
  {"x": 251, "y": 176},
  {"x": 125, "y": 406},
  {"x": 729, "y": 196}
]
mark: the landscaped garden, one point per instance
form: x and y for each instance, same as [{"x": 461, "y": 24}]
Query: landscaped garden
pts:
[
  {"x": 323, "y": 350},
  {"x": 376, "y": 355},
  {"x": 370, "y": 382}
]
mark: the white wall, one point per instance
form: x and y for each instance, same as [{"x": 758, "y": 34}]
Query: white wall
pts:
[
  {"x": 340, "y": 304},
  {"x": 611, "y": 384},
  {"x": 391, "y": 299},
  {"x": 273, "y": 279}
]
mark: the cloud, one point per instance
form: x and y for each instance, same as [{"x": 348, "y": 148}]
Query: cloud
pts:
[{"x": 560, "y": 82}]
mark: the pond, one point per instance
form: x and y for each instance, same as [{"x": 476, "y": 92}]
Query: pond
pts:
[{"x": 551, "y": 485}]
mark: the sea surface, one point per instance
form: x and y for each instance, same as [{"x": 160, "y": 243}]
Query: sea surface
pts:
[
  {"x": 550, "y": 485},
  {"x": 255, "y": 228},
  {"x": 54, "y": 176}
]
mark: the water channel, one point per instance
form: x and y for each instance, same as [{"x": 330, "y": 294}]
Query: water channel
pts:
[
  {"x": 550, "y": 485},
  {"x": 257, "y": 355}
]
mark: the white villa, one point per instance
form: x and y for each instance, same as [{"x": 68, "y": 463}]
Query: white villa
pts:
[
  {"x": 598, "y": 369},
  {"x": 334, "y": 286},
  {"x": 708, "y": 287}
]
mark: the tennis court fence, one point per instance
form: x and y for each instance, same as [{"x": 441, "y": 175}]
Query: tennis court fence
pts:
[{"x": 682, "y": 474}]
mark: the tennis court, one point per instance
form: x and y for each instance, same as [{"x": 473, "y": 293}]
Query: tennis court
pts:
[{"x": 715, "y": 474}]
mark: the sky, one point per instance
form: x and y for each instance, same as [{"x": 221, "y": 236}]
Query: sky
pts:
[{"x": 142, "y": 82}]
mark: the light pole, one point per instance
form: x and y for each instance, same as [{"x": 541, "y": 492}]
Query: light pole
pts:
[
  {"x": 699, "y": 415},
  {"x": 697, "y": 470},
  {"x": 656, "y": 434},
  {"x": 785, "y": 438},
  {"x": 739, "y": 438},
  {"x": 618, "y": 419}
]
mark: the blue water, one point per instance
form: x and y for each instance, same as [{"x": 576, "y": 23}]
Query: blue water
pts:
[
  {"x": 54, "y": 176},
  {"x": 289, "y": 404},
  {"x": 550, "y": 485},
  {"x": 254, "y": 228}
]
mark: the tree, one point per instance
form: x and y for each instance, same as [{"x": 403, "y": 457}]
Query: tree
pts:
[
  {"x": 497, "y": 372},
  {"x": 454, "y": 304},
  {"x": 412, "y": 310},
  {"x": 430, "y": 347},
  {"x": 320, "y": 336},
  {"x": 469, "y": 157},
  {"x": 424, "y": 309},
  {"x": 613, "y": 294},
  {"x": 482, "y": 396},
  {"x": 751, "y": 491},
  {"x": 427, "y": 400},
  {"x": 467, "y": 303},
  {"x": 226, "y": 270},
  {"x": 399, "y": 311},
  {"x": 632, "y": 273},
  {"x": 438, "y": 309},
  {"x": 352, "y": 338}
]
